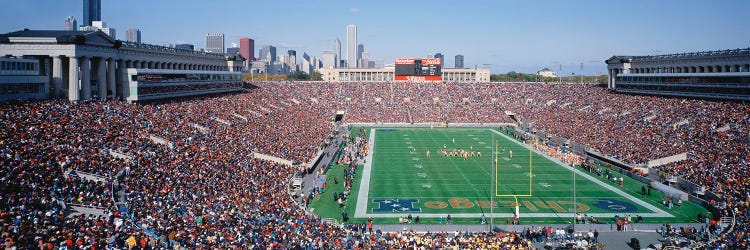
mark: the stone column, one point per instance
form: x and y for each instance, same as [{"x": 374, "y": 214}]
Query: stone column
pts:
[
  {"x": 85, "y": 78},
  {"x": 57, "y": 81},
  {"x": 101, "y": 77},
  {"x": 122, "y": 71},
  {"x": 118, "y": 90},
  {"x": 111, "y": 77},
  {"x": 74, "y": 94}
]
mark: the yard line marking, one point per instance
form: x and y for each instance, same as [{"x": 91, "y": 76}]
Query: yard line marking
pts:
[{"x": 657, "y": 212}]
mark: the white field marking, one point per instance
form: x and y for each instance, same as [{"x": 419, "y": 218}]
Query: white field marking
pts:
[
  {"x": 423, "y": 175},
  {"x": 505, "y": 158},
  {"x": 412, "y": 153},
  {"x": 544, "y": 184},
  {"x": 657, "y": 211},
  {"x": 481, "y": 142},
  {"x": 362, "y": 195},
  {"x": 516, "y": 166},
  {"x": 364, "y": 184},
  {"x": 414, "y": 159},
  {"x": 418, "y": 166},
  {"x": 427, "y": 185}
]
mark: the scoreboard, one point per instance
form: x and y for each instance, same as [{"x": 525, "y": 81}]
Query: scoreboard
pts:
[{"x": 413, "y": 69}]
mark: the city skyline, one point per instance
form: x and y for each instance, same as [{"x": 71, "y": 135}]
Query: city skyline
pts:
[{"x": 532, "y": 36}]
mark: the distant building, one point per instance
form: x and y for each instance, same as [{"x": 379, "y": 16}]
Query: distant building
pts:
[
  {"x": 442, "y": 59},
  {"x": 545, "y": 72},
  {"x": 92, "y": 11},
  {"x": 215, "y": 43},
  {"x": 247, "y": 48},
  {"x": 268, "y": 53},
  {"x": 234, "y": 50},
  {"x": 329, "y": 59},
  {"x": 133, "y": 35},
  {"x": 459, "y": 63},
  {"x": 306, "y": 64},
  {"x": 360, "y": 50},
  {"x": 185, "y": 46},
  {"x": 351, "y": 46},
  {"x": 364, "y": 60},
  {"x": 292, "y": 60},
  {"x": 337, "y": 52},
  {"x": 99, "y": 25},
  {"x": 71, "y": 23}
]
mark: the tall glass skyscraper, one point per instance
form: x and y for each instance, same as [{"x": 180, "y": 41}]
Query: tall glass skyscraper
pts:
[
  {"x": 92, "y": 11},
  {"x": 337, "y": 51},
  {"x": 351, "y": 46},
  {"x": 71, "y": 23}
]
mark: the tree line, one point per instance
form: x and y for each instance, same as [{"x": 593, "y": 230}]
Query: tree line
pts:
[{"x": 523, "y": 77}]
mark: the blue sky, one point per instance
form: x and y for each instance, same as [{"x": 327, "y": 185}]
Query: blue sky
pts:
[{"x": 509, "y": 35}]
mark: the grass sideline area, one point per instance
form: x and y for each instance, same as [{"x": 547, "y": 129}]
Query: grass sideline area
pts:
[{"x": 404, "y": 181}]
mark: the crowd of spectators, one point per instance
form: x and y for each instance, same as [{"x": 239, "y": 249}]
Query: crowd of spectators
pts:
[{"x": 205, "y": 189}]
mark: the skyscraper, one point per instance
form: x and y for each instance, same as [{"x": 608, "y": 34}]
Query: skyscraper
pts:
[
  {"x": 329, "y": 59},
  {"x": 442, "y": 59},
  {"x": 71, "y": 23},
  {"x": 336, "y": 52},
  {"x": 215, "y": 42},
  {"x": 292, "y": 60},
  {"x": 360, "y": 50},
  {"x": 92, "y": 11},
  {"x": 306, "y": 64},
  {"x": 459, "y": 63},
  {"x": 268, "y": 52},
  {"x": 351, "y": 46},
  {"x": 133, "y": 35},
  {"x": 247, "y": 48},
  {"x": 364, "y": 60}
]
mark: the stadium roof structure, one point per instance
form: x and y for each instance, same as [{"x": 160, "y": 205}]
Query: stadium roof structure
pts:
[
  {"x": 701, "y": 54},
  {"x": 60, "y": 37}
]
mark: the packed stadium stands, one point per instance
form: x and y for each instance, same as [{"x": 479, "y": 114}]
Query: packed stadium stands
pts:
[{"x": 203, "y": 188}]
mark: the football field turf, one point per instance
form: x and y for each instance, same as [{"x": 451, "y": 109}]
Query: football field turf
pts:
[{"x": 399, "y": 179}]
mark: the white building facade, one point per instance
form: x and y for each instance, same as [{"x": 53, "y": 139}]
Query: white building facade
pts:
[{"x": 387, "y": 74}]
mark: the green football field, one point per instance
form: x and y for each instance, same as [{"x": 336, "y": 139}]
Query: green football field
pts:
[{"x": 399, "y": 179}]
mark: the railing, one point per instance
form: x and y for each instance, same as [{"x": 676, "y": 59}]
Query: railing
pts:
[
  {"x": 728, "y": 52},
  {"x": 152, "y": 47}
]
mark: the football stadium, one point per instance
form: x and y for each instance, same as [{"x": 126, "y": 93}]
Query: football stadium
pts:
[{"x": 117, "y": 143}]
